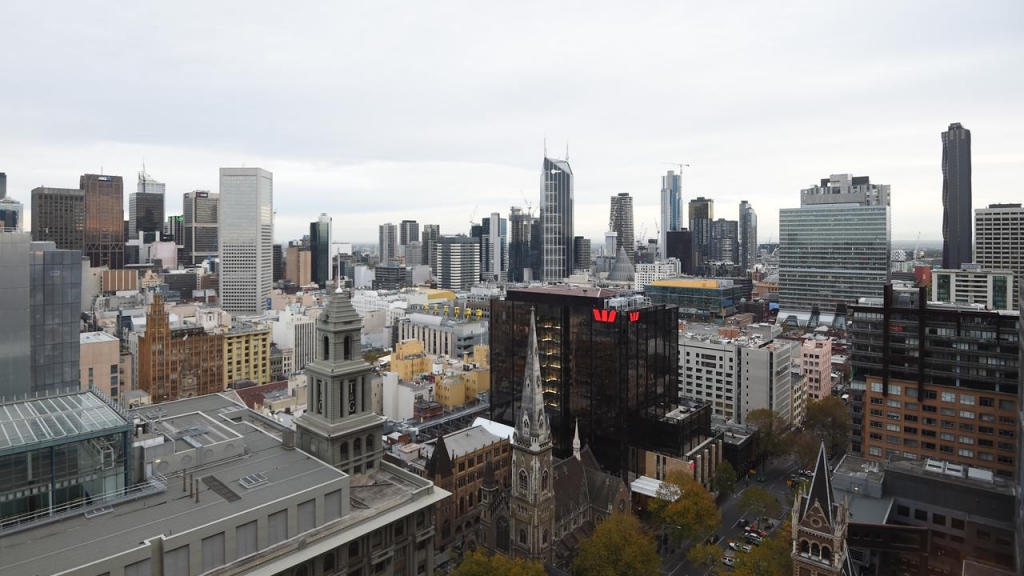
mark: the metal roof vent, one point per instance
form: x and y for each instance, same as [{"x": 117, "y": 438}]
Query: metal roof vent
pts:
[{"x": 252, "y": 480}]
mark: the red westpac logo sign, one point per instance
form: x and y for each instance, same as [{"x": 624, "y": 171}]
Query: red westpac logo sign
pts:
[
  {"x": 605, "y": 315},
  {"x": 634, "y": 316}
]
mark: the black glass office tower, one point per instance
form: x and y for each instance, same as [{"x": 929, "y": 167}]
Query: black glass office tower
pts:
[
  {"x": 320, "y": 250},
  {"x": 957, "y": 216}
]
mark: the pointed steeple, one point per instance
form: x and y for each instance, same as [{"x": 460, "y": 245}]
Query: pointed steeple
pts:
[
  {"x": 821, "y": 488},
  {"x": 440, "y": 463},
  {"x": 576, "y": 442},
  {"x": 533, "y": 429}
]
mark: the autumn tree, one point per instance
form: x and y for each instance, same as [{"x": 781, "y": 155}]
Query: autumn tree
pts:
[
  {"x": 759, "y": 501},
  {"x": 771, "y": 558},
  {"x": 772, "y": 429},
  {"x": 618, "y": 546},
  {"x": 805, "y": 449},
  {"x": 724, "y": 479},
  {"x": 829, "y": 419},
  {"x": 704, "y": 556},
  {"x": 480, "y": 564},
  {"x": 687, "y": 506}
]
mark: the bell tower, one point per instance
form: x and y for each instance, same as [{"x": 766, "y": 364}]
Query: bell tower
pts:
[
  {"x": 819, "y": 528},
  {"x": 339, "y": 425},
  {"x": 533, "y": 495}
]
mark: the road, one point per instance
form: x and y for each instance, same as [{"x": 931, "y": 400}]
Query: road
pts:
[{"x": 674, "y": 563}]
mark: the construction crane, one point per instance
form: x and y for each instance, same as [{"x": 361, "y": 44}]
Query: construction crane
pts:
[
  {"x": 529, "y": 207},
  {"x": 472, "y": 215},
  {"x": 679, "y": 165}
]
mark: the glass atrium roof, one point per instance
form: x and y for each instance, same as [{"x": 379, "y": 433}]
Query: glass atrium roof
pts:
[{"x": 56, "y": 417}]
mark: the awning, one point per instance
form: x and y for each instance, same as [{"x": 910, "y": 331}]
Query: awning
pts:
[{"x": 647, "y": 486}]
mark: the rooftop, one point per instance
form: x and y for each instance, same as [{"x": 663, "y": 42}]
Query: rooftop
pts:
[
  {"x": 699, "y": 283},
  {"x": 567, "y": 290},
  {"x": 26, "y": 424},
  {"x": 96, "y": 337},
  {"x": 464, "y": 441}
]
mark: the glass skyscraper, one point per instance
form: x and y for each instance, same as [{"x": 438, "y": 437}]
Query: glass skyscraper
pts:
[
  {"x": 556, "y": 219},
  {"x": 621, "y": 218},
  {"x": 320, "y": 250},
  {"x": 835, "y": 248},
  {"x": 671, "y": 208},
  {"x": 200, "y": 209},
  {"x": 747, "y": 236},
  {"x": 956, "y": 197},
  {"x": 246, "y": 233},
  {"x": 104, "y": 220},
  {"x": 146, "y": 207}
]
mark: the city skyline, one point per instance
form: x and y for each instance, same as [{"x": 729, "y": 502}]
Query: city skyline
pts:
[{"x": 344, "y": 163}]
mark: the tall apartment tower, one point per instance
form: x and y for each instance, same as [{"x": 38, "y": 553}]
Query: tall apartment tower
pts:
[
  {"x": 408, "y": 231},
  {"x": 388, "y": 242},
  {"x": 494, "y": 248},
  {"x": 621, "y": 219},
  {"x": 725, "y": 243},
  {"x": 556, "y": 219},
  {"x": 671, "y": 209},
  {"x": 520, "y": 249},
  {"x": 999, "y": 240},
  {"x": 835, "y": 248},
  {"x": 431, "y": 232},
  {"x": 58, "y": 216},
  {"x": 104, "y": 220},
  {"x": 748, "y": 236},
  {"x": 246, "y": 236},
  {"x": 581, "y": 252},
  {"x": 702, "y": 212},
  {"x": 956, "y": 197},
  {"x": 320, "y": 250},
  {"x": 146, "y": 206},
  {"x": 200, "y": 224},
  {"x": 458, "y": 262}
]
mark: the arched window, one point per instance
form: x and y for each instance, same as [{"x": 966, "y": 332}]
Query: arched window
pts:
[
  {"x": 523, "y": 483},
  {"x": 329, "y": 563},
  {"x": 369, "y": 444},
  {"x": 343, "y": 451},
  {"x": 815, "y": 550},
  {"x": 805, "y": 547},
  {"x": 826, "y": 554},
  {"x": 327, "y": 348},
  {"x": 544, "y": 481},
  {"x": 357, "y": 447},
  {"x": 353, "y": 550},
  {"x": 446, "y": 530},
  {"x": 544, "y": 538},
  {"x": 421, "y": 518},
  {"x": 522, "y": 536},
  {"x": 471, "y": 500},
  {"x": 462, "y": 505},
  {"x": 348, "y": 347},
  {"x": 502, "y": 534}
]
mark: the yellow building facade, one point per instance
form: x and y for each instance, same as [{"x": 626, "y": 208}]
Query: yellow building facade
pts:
[{"x": 247, "y": 354}]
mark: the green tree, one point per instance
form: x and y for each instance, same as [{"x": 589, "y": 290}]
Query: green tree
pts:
[
  {"x": 704, "y": 556},
  {"x": 829, "y": 418},
  {"x": 618, "y": 546},
  {"x": 686, "y": 505},
  {"x": 759, "y": 501},
  {"x": 480, "y": 564},
  {"x": 805, "y": 449},
  {"x": 772, "y": 429},
  {"x": 724, "y": 479},
  {"x": 771, "y": 558}
]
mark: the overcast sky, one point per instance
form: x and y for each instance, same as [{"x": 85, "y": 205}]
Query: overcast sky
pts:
[{"x": 437, "y": 111}]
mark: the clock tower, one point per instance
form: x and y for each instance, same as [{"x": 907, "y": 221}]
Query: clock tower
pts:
[{"x": 339, "y": 425}]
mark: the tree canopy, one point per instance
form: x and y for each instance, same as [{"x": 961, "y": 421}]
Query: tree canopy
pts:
[
  {"x": 724, "y": 479},
  {"x": 805, "y": 449},
  {"x": 618, "y": 546},
  {"x": 480, "y": 564},
  {"x": 759, "y": 501},
  {"x": 772, "y": 429},
  {"x": 771, "y": 558},
  {"x": 686, "y": 505},
  {"x": 704, "y": 556},
  {"x": 829, "y": 418}
]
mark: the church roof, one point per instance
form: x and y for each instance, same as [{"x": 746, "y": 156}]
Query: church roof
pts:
[
  {"x": 532, "y": 426},
  {"x": 440, "y": 463},
  {"x": 583, "y": 477},
  {"x": 821, "y": 488}
]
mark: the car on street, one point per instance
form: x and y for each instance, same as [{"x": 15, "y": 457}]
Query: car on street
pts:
[
  {"x": 728, "y": 561},
  {"x": 809, "y": 473},
  {"x": 739, "y": 547},
  {"x": 743, "y": 523},
  {"x": 753, "y": 539},
  {"x": 753, "y": 529}
]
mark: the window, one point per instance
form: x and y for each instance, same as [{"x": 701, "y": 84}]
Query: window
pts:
[
  {"x": 967, "y": 414},
  {"x": 176, "y": 562},
  {"x": 875, "y": 451},
  {"x": 967, "y": 399},
  {"x": 946, "y": 436},
  {"x": 522, "y": 536},
  {"x": 245, "y": 540},
  {"x": 277, "y": 527},
  {"x": 895, "y": 389},
  {"x": 213, "y": 552},
  {"x": 914, "y": 406},
  {"x": 966, "y": 427},
  {"x": 876, "y": 387},
  {"x": 1006, "y": 433},
  {"x": 877, "y": 401},
  {"x": 307, "y": 515},
  {"x": 949, "y": 396},
  {"x": 956, "y": 523},
  {"x": 523, "y": 483},
  {"x": 893, "y": 427},
  {"x": 966, "y": 453},
  {"x": 921, "y": 515},
  {"x": 986, "y": 456},
  {"x": 986, "y": 430},
  {"x": 1007, "y": 405},
  {"x": 875, "y": 412},
  {"x": 938, "y": 519},
  {"x": 902, "y": 510},
  {"x": 986, "y": 401},
  {"x": 929, "y": 395},
  {"x": 966, "y": 440},
  {"x": 894, "y": 403}
]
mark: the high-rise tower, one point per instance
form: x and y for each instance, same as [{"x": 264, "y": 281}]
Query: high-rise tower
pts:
[
  {"x": 747, "y": 236},
  {"x": 320, "y": 251},
  {"x": 956, "y": 197},
  {"x": 671, "y": 208},
  {"x": 520, "y": 248},
  {"x": 146, "y": 207},
  {"x": 702, "y": 212},
  {"x": 200, "y": 217},
  {"x": 408, "y": 231},
  {"x": 556, "y": 219},
  {"x": 339, "y": 426},
  {"x": 246, "y": 234},
  {"x": 387, "y": 244},
  {"x": 621, "y": 221},
  {"x": 104, "y": 220},
  {"x": 533, "y": 494}
]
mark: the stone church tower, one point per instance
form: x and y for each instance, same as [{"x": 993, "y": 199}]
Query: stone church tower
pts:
[
  {"x": 532, "y": 500},
  {"x": 339, "y": 426},
  {"x": 819, "y": 528}
]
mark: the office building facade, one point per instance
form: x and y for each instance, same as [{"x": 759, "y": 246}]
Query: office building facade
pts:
[
  {"x": 494, "y": 248},
  {"x": 15, "y": 315},
  {"x": 621, "y": 222},
  {"x": 200, "y": 224},
  {"x": 999, "y": 240},
  {"x": 680, "y": 247},
  {"x": 320, "y": 251},
  {"x": 581, "y": 253},
  {"x": 956, "y": 197},
  {"x": 58, "y": 216},
  {"x": 747, "y": 236},
  {"x": 408, "y": 231},
  {"x": 835, "y": 248},
  {"x": 246, "y": 238},
  {"x": 671, "y": 209},
  {"x": 246, "y": 354},
  {"x": 104, "y": 220},
  {"x": 431, "y": 232},
  {"x": 11, "y": 215},
  {"x": 725, "y": 243},
  {"x": 522, "y": 264},
  {"x": 387, "y": 243},
  {"x": 458, "y": 262},
  {"x": 972, "y": 285},
  {"x": 178, "y": 361},
  {"x": 701, "y": 213},
  {"x": 146, "y": 206},
  {"x": 556, "y": 220}
]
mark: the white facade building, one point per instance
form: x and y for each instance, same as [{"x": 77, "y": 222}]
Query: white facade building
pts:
[
  {"x": 297, "y": 332},
  {"x": 399, "y": 397},
  {"x": 972, "y": 285},
  {"x": 648, "y": 273},
  {"x": 999, "y": 241},
  {"x": 246, "y": 238}
]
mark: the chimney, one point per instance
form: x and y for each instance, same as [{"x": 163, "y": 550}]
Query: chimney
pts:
[{"x": 288, "y": 439}]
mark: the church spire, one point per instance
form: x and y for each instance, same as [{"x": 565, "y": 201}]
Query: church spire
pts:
[
  {"x": 533, "y": 429},
  {"x": 576, "y": 442},
  {"x": 821, "y": 488}
]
